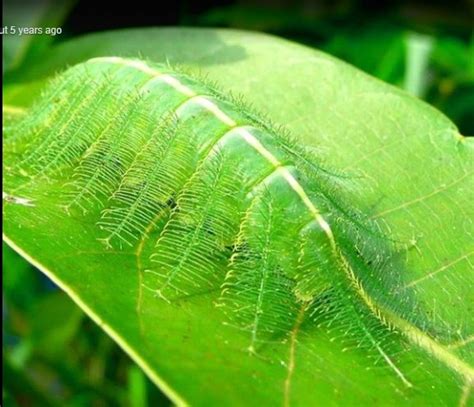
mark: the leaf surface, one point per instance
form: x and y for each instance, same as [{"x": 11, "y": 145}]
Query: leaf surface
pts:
[{"x": 400, "y": 163}]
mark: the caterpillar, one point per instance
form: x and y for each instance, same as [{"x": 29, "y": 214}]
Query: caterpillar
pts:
[{"x": 147, "y": 151}]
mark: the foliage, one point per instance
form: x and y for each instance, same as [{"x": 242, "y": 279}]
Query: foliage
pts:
[{"x": 72, "y": 331}]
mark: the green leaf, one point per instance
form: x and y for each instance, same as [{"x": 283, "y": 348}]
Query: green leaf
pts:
[
  {"x": 137, "y": 387},
  {"x": 418, "y": 50},
  {"x": 376, "y": 312},
  {"x": 54, "y": 323}
]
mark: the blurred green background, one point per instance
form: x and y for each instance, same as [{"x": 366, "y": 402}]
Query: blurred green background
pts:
[{"x": 52, "y": 353}]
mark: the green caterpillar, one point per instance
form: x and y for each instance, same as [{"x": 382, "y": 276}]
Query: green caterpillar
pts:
[{"x": 231, "y": 203}]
